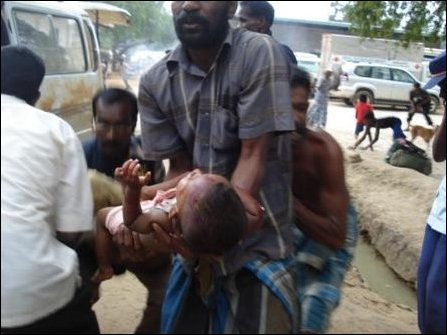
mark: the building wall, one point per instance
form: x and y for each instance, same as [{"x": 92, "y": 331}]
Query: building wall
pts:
[{"x": 304, "y": 37}]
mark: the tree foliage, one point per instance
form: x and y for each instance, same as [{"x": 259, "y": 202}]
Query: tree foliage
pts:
[
  {"x": 150, "y": 22},
  {"x": 419, "y": 21}
]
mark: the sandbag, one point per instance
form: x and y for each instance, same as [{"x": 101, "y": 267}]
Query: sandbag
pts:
[{"x": 406, "y": 154}]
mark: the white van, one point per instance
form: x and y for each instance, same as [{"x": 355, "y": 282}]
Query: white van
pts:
[
  {"x": 309, "y": 62},
  {"x": 64, "y": 36}
]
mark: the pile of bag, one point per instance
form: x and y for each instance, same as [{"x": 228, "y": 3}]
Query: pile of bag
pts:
[{"x": 406, "y": 154}]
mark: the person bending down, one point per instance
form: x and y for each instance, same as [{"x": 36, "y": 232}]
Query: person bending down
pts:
[
  {"x": 204, "y": 213},
  {"x": 388, "y": 122}
]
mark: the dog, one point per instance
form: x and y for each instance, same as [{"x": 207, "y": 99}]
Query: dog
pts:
[{"x": 425, "y": 133}]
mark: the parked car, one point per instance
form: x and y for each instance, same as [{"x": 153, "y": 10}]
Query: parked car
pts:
[
  {"x": 309, "y": 62},
  {"x": 139, "y": 58},
  {"x": 382, "y": 84}
]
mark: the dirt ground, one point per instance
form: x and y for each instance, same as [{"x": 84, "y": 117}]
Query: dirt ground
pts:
[{"x": 361, "y": 311}]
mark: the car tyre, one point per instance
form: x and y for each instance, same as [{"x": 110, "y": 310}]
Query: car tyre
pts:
[{"x": 347, "y": 101}]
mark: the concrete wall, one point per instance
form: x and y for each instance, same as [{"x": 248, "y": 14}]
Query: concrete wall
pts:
[{"x": 304, "y": 37}]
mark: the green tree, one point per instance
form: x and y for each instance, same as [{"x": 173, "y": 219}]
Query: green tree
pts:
[
  {"x": 150, "y": 22},
  {"x": 420, "y": 21}
]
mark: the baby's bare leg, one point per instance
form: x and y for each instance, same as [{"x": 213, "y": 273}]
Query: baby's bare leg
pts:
[{"x": 103, "y": 247}]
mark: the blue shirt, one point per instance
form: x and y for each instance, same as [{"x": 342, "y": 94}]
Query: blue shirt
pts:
[{"x": 95, "y": 160}]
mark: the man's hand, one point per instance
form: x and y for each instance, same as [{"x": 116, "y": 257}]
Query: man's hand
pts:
[
  {"x": 172, "y": 242},
  {"x": 253, "y": 209},
  {"x": 129, "y": 175},
  {"x": 130, "y": 247}
]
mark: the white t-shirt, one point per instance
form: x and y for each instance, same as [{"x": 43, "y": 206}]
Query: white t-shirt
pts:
[
  {"x": 436, "y": 219},
  {"x": 44, "y": 189}
]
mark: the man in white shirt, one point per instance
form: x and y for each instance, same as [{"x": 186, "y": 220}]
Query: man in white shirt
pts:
[{"x": 46, "y": 207}]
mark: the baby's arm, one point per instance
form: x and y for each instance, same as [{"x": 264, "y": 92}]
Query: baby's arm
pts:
[
  {"x": 143, "y": 222},
  {"x": 133, "y": 216},
  {"x": 128, "y": 176}
]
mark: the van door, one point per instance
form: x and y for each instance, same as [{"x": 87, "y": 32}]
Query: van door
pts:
[
  {"x": 70, "y": 52},
  {"x": 403, "y": 84},
  {"x": 381, "y": 78}
]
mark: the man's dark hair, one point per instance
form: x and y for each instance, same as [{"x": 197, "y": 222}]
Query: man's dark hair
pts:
[
  {"x": 363, "y": 98},
  {"x": 416, "y": 85},
  {"x": 110, "y": 96},
  {"x": 260, "y": 9},
  {"x": 221, "y": 222},
  {"x": 22, "y": 73},
  {"x": 369, "y": 116},
  {"x": 300, "y": 78}
]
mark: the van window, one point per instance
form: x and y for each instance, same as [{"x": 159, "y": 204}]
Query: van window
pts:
[
  {"x": 69, "y": 40},
  {"x": 91, "y": 46},
  {"x": 402, "y": 76},
  {"x": 5, "y": 37},
  {"x": 57, "y": 40},
  {"x": 381, "y": 73},
  {"x": 309, "y": 66},
  {"x": 363, "y": 71}
]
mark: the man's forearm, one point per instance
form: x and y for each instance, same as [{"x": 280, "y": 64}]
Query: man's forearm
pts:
[
  {"x": 250, "y": 167},
  {"x": 327, "y": 230},
  {"x": 248, "y": 176},
  {"x": 73, "y": 240}
]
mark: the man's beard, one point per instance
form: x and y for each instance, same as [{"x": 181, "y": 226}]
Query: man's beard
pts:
[
  {"x": 205, "y": 36},
  {"x": 114, "y": 150}
]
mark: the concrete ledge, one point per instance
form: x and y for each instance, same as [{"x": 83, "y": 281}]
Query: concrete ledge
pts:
[{"x": 393, "y": 204}]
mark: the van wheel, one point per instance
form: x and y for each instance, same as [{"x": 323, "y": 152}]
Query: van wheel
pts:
[
  {"x": 434, "y": 104},
  {"x": 369, "y": 96}
]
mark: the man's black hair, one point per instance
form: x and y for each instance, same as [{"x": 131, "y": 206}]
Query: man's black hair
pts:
[
  {"x": 370, "y": 116},
  {"x": 300, "y": 78},
  {"x": 22, "y": 73},
  {"x": 363, "y": 98},
  {"x": 111, "y": 96},
  {"x": 260, "y": 9}
]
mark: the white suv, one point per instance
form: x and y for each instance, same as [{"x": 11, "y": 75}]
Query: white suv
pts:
[{"x": 382, "y": 84}]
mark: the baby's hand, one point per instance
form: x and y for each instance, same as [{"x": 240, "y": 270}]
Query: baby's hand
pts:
[{"x": 129, "y": 175}]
